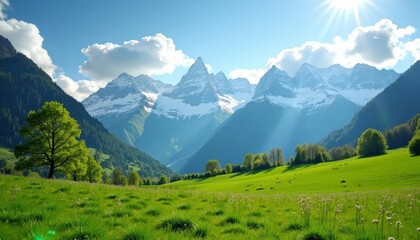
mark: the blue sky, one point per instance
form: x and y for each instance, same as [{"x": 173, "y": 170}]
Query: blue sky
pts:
[{"x": 242, "y": 35}]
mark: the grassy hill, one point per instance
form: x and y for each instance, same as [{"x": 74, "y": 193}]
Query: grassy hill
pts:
[
  {"x": 395, "y": 170},
  {"x": 57, "y": 209}
]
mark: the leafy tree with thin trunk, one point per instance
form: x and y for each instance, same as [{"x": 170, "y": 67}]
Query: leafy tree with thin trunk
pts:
[
  {"x": 76, "y": 170},
  {"x": 229, "y": 168},
  {"x": 51, "y": 140},
  {"x": 116, "y": 176},
  {"x": 93, "y": 170},
  {"x": 371, "y": 142},
  {"x": 213, "y": 166},
  {"x": 134, "y": 179},
  {"x": 163, "y": 180},
  {"x": 249, "y": 161}
]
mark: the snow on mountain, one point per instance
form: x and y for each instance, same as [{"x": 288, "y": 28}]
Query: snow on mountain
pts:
[
  {"x": 125, "y": 94},
  {"x": 200, "y": 93},
  {"x": 314, "y": 88}
]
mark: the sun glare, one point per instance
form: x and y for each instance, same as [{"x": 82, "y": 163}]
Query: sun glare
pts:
[
  {"x": 346, "y": 4},
  {"x": 347, "y": 7}
]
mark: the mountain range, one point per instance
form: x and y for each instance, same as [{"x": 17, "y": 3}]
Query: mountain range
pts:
[
  {"x": 25, "y": 87},
  {"x": 395, "y": 105},
  {"x": 286, "y": 111},
  {"x": 168, "y": 122},
  {"x": 208, "y": 116}
]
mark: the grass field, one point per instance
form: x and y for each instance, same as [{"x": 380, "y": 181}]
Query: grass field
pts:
[
  {"x": 395, "y": 170},
  {"x": 314, "y": 204}
]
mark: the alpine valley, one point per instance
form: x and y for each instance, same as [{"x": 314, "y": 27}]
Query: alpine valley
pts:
[
  {"x": 25, "y": 87},
  {"x": 206, "y": 114}
]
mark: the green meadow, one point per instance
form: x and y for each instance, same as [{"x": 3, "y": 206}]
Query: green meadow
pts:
[
  {"x": 394, "y": 170},
  {"x": 367, "y": 198}
]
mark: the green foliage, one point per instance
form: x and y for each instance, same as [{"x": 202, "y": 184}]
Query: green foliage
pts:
[
  {"x": 344, "y": 152},
  {"x": 310, "y": 153},
  {"x": 370, "y": 143},
  {"x": 134, "y": 179},
  {"x": 76, "y": 170},
  {"x": 25, "y": 87},
  {"x": 116, "y": 176},
  {"x": 93, "y": 170},
  {"x": 249, "y": 161},
  {"x": 123, "y": 180},
  {"x": 52, "y": 140},
  {"x": 163, "y": 180},
  {"x": 213, "y": 166},
  {"x": 276, "y": 157},
  {"x": 414, "y": 145},
  {"x": 229, "y": 168},
  {"x": 399, "y": 136}
]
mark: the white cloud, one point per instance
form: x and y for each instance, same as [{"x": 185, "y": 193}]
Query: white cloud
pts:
[
  {"x": 315, "y": 53},
  {"x": 78, "y": 89},
  {"x": 253, "y": 75},
  {"x": 27, "y": 39},
  {"x": 413, "y": 47},
  {"x": 3, "y": 4},
  {"x": 152, "y": 55},
  {"x": 382, "y": 45}
]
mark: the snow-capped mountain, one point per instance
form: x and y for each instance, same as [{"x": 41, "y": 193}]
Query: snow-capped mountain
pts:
[
  {"x": 184, "y": 117},
  {"x": 181, "y": 125},
  {"x": 124, "y": 94},
  {"x": 164, "y": 120},
  {"x": 287, "y": 111}
]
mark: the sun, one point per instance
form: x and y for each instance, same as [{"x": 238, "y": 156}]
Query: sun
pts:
[
  {"x": 346, "y": 4},
  {"x": 346, "y": 7}
]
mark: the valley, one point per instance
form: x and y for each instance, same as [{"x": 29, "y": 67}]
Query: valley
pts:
[{"x": 313, "y": 203}]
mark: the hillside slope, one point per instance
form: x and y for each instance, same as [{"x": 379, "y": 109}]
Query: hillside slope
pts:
[
  {"x": 395, "y": 105},
  {"x": 394, "y": 170},
  {"x": 25, "y": 87}
]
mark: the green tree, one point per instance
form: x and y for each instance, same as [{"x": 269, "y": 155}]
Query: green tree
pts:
[
  {"x": 76, "y": 170},
  {"x": 51, "y": 140},
  {"x": 147, "y": 181},
  {"x": 342, "y": 152},
  {"x": 163, "y": 180},
  {"x": 123, "y": 180},
  {"x": 134, "y": 179},
  {"x": 106, "y": 178},
  {"x": 213, "y": 166},
  {"x": 229, "y": 168},
  {"x": 265, "y": 160},
  {"x": 414, "y": 145},
  {"x": 249, "y": 161},
  {"x": 116, "y": 176},
  {"x": 93, "y": 170},
  {"x": 371, "y": 142}
]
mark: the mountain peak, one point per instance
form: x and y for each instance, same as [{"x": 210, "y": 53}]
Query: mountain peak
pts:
[
  {"x": 198, "y": 67},
  {"x": 124, "y": 75},
  {"x": 6, "y": 48}
]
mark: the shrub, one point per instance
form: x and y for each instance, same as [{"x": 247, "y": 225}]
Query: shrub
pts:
[
  {"x": 414, "y": 145},
  {"x": 370, "y": 143}
]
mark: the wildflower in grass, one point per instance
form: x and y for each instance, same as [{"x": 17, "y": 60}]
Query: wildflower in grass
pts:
[
  {"x": 375, "y": 221},
  {"x": 398, "y": 226},
  {"x": 338, "y": 210}
]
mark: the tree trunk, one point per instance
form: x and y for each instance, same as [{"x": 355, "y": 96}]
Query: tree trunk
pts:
[{"x": 51, "y": 173}]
